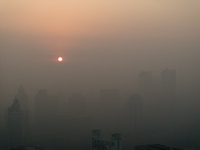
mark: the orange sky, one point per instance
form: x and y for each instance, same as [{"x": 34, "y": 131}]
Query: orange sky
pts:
[
  {"x": 86, "y": 17},
  {"x": 144, "y": 34},
  {"x": 60, "y": 24}
]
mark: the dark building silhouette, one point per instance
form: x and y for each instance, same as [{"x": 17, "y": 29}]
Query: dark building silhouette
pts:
[
  {"x": 14, "y": 125},
  {"x": 134, "y": 110},
  {"x": 109, "y": 110},
  {"x": 168, "y": 103},
  {"x": 22, "y": 98},
  {"x": 45, "y": 105},
  {"x": 46, "y": 112},
  {"x": 145, "y": 85},
  {"x": 168, "y": 84},
  {"x": 100, "y": 143},
  {"x": 168, "y": 91},
  {"x": 24, "y": 107}
]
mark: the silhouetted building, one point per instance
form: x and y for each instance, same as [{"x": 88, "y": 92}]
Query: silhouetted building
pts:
[
  {"x": 167, "y": 110},
  {"x": 109, "y": 109},
  {"x": 154, "y": 147},
  {"x": 46, "y": 112},
  {"x": 14, "y": 124},
  {"x": 134, "y": 108},
  {"x": 168, "y": 91},
  {"x": 45, "y": 105},
  {"x": 99, "y": 143},
  {"x": 168, "y": 84},
  {"x": 22, "y": 98},
  {"x": 23, "y": 101},
  {"x": 145, "y": 84}
]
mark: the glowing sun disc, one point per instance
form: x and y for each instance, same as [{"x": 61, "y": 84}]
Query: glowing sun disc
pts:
[{"x": 60, "y": 59}]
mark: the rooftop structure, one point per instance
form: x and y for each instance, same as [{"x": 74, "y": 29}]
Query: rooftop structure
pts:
[{"x": 99, "y": 143}]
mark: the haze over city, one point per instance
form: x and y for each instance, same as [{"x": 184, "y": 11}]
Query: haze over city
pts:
[{"x": 113, "y": 52}]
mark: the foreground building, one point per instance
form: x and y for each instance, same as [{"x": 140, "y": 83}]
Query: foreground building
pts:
[
  {"x": 99, "y": 143},
  {"x": 14, "y": 125},
  {"x": 134, "y": 113},
  {"x": 22, "y": 98}
]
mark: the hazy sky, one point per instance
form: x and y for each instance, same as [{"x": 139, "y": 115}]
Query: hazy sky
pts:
[{"x": 104, "y": 43}]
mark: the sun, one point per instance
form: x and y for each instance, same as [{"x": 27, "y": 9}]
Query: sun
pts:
[{"x": 60, "y": 59}]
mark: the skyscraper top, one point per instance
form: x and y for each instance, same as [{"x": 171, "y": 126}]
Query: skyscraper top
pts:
[
  {"x": 15, "y": 107},
  {"x": 21, "y": 89}
]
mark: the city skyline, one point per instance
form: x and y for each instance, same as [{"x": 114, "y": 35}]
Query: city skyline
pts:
[{"x": 129, "y": 67}]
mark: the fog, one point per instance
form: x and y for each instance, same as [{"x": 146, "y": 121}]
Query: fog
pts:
[{"x": 114, "y": 54}]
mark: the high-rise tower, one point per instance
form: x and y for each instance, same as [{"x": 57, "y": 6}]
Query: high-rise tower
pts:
[
  {"x": 145, "y": 84},
  {"x": 168, "y": 101},
  {"x": 46, "y": 111},
  {"x": 134, "y": 108},
  {"x": 23, "y": 102},
  {"x": 22, "y": 98},
  {"x": 168, "y": 84},
  {"x": 14, "y": 124}
]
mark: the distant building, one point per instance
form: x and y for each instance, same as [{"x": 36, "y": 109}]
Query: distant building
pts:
[
  {"x": 108, "y": 95},
  {"x": 145, "y": 84},
  {"x": 168, "y": 83},
  {"x": 46, "y": 112},
  {"x": 154, "y": 147},
  {"x": 22, "y": 98},
  {"x": 167, "y": 105},
  {"x": 109, "y": 109},
  {"x": 45, "y": 105},
  {"x": 168, "y": 92},
  {"x": 134, "y": 109},
  {"x": 23, "y": 102},
  {"x": 14, "y": 124},
  {"x": 99, "y": 143}
]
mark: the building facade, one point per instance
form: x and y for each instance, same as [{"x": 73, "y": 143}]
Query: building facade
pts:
[
  {"x": 168, "y": 83},
  {"x": 134, "y": 110},
  {"x": 99, "y": 143},
  {"x": 14, "y": 125},
  {"x": 22, "y": 98}
]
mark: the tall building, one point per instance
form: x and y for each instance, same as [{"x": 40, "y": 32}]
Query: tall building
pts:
[
  {"x": 22, "y": 98},
  {"x": 45, "y": 105},
  {"x": 46, "y": 112},
  {"x": 23, "y": 101},
  {"x": 168, "y": 84},
  {"x": 134, "y": 109},
  {"x": 145, "y": 84},
  {"x": 168, "y": 103},
  {"x": 99, "y": 143},
  {"x": 109, "y": 109},
  {"x": 14, "y": 124}
]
